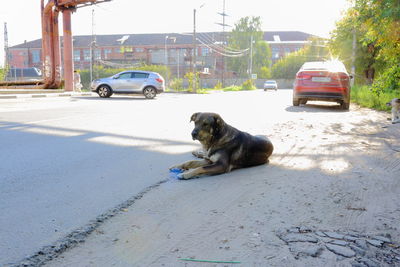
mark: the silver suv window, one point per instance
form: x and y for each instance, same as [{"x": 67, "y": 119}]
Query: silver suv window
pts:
[
  {"x": 125, "y": 75},
  {"x": 140, "y": 75}
]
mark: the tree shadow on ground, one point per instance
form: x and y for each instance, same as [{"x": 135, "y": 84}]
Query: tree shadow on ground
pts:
[{"x": 315, "y": 107}]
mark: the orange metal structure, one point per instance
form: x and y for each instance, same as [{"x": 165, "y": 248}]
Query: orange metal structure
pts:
[{"x": 52, "y": 77}]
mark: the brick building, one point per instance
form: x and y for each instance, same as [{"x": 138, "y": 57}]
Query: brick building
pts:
[{"x": 173, "y": 50}]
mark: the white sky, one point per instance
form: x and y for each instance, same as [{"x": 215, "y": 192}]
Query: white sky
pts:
[{"x": 164, "y": 16}]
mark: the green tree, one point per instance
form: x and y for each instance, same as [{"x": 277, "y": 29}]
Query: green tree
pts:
[
  {"x": 190, "y": 77},
  {"x": 246, "y": 30},
  {"x": 375, "y": 24},
  {"x": 2, "y": 74},
  {"x": 287, "y": 67}
]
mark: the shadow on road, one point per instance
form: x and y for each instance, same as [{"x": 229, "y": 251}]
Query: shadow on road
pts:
[
  {"x": 316, "y": 108},
  {"x": 54, "y": 180},
  {"x": 117, "y": 98}
]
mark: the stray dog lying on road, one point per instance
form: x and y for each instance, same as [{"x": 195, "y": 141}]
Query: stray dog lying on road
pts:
[
  {"x": 395, "y": 104},
  {"x": 224, "y": 148}
]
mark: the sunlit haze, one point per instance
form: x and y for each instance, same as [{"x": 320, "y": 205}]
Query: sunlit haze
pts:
[{"x": 158, "y": 16}]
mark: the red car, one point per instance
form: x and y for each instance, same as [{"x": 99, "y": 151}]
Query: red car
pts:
[{"x": 322, "y": 81}]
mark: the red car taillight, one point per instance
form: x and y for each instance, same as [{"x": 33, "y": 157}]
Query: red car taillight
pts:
[
  {"x": 303, "y": 76},
  {"x": 340, "y": 77},
  {"x": 159, "y": 80}
]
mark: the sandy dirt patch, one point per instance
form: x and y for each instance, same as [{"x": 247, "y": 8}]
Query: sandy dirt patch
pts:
[{"x": 329, "y": 197}]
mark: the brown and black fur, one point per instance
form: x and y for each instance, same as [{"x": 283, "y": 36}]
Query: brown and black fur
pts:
[
  {"x": 395, "y": 104},
  {"x": 224, "y": 147}
]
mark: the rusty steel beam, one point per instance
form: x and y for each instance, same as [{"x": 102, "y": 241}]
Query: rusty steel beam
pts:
[
  {"x": 51, "y": 56},
  {"x": 68, "y": 48},
  {"x": 77, "y": 3}
]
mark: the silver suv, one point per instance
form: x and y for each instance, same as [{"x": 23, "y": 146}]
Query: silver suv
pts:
[{"x": 130, "y": 82}]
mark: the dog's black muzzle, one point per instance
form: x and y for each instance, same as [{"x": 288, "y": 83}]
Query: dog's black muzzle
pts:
[{"x": 195, "y": 134}]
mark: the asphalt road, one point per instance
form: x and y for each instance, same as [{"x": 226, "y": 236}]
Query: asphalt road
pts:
[{"x": 64, "y": 161}]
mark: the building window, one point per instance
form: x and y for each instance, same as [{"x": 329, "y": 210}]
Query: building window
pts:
[
  {"x": 35, "y": 56},
  {"x": 97, "y": 54},
  {"x": 205, "y": 51},
  {"x": 287, "y": 50},
  {"x": 77, "y": 55},
  {"x": 183, "y": 52},
  {"x": 86, "y": 55},
  {"x": 158, "y": 56},
  {"x": 126, "y": 49},
  {"x": 275, "y": 52},
  {"x": 139, "y": 50},
  {"x": 107, "y": 52}
]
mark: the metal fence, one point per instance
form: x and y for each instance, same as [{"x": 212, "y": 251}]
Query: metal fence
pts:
[{"x": 259, "y": 83}]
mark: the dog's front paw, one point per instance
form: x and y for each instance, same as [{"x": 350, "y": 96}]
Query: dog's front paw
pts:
[
  {"x": 189, "y": 174},
  {"x": 176, "y": 167},
  {"x": 184, "y": 176},
  {"x": 180, "y": 176}
]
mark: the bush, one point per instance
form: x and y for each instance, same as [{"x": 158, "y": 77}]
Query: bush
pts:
[
  {"x": 176, "y": 84},
  {"x": 190, "y": 77},
  {"x": 218, "y": 86},
  {"x": 389, "y": 80},
  {"x": 232, "y": 88},
  {"x": 264, "y": 73},
  {"x": 2, "y": 74},
  {"x": 365, "y": 96},
  {"x": 248, "y": 85}
]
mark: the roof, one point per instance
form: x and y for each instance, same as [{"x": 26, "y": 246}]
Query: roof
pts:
[
  {"x": 162, "y": 38},
  {"x": 286, "y": 36}
]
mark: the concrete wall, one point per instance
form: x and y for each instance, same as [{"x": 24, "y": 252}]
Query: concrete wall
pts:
[{"x": 210, "y": 83}]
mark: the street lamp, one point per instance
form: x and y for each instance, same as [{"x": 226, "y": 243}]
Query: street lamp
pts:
[
  {"x": 166, "y": 57},
  {"x": 194, "y": 49}
]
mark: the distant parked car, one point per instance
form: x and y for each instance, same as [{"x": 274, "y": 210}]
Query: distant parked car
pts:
[
  {"x": 322, "y": 81},
  {"x": 130, "y": 82},
  {"x": 270, "y": 84}
]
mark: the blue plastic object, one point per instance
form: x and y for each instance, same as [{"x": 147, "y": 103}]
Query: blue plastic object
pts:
[{"x": 176, "y": 173}]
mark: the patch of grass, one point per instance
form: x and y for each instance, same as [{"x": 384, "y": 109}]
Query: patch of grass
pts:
[
  {"x": 203, "y": 90},
  {"x": 365, "y": 97},
  {"x": 232, "y": 88}
]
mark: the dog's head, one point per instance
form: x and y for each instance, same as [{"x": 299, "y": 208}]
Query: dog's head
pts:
[
  {"x": 393, "y": 102},
  {"x": 206, "y": 126}
]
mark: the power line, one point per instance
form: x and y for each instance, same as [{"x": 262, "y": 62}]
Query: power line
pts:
[
  {"x": 224, "y": 47},
  {"x": 221, "y": 53}
]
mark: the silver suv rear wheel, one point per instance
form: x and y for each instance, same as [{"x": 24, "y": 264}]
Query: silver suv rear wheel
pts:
[
  {"x": 104, "y": 91},
  {"x": 149, "y": 92}
]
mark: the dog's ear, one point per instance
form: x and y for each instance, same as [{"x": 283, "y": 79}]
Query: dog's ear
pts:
[
  {"x": 194, "y": 116},
  {"x": 218, "y": 122}
]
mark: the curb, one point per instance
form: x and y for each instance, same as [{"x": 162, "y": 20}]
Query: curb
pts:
[{"x": 13, "y": 95}]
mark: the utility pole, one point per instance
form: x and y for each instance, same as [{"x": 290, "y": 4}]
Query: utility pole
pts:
[
  {"x": 177, "y": 68},
  {"x": 166, "y": 62},
  {"x": 166, "y": 59},
  {"x": 91, "y": 48},
  {"x": 6, "y": 52},
  {"x": 194, "y": 52},
  {"x": 223, "y": 40},
  {"x": 251, "y": 57}
]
